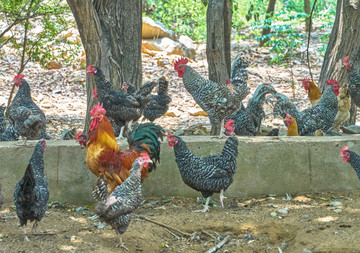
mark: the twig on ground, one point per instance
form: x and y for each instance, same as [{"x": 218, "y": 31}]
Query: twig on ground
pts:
[
  {"x": 165, "y": 226},
  {"x": 177, "y": 237},
  {"x": 208, "y": 234},
  {"x": 219, "y": 245},
  {"x": 44, "y": 233}
]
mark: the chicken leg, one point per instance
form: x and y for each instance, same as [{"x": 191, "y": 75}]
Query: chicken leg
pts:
[
  {"x": 221, "y": 198},
  {"x": 206, "y": 207},
  {"x": 26, "y": 238},
  {"x": 121, "y": 244}
]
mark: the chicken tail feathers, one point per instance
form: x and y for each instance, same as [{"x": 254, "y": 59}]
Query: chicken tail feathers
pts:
[
  {"x": 100, "y": 191},
  {"x": 146, "y": 138},
  {"x": 25, "y": 188}
]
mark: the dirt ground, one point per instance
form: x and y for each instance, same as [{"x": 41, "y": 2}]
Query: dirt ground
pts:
[{"x": 314, "y": 222}]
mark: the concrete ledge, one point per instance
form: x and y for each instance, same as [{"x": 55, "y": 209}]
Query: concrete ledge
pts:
[{"x": 265, "y": 165}]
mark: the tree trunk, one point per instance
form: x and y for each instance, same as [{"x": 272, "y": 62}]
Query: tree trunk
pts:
[
  {"x": 267, "y": 29},
  {"x": 110, "y": 31},
  {"x": 344, "y": 41},
  {"x": 218, "y": 52},
  {"x": 307, "y": 10}
]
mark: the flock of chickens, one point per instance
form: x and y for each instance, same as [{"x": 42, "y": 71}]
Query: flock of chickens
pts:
[{"x": 120, "y": 172}]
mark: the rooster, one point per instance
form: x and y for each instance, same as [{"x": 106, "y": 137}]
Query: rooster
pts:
[
  {"x": 206, "y": 174},
  {"x": 27, "y": 118},
  {"x": 116, "y": 209},
  {"x": 292, "y": 126},
  {"x": 103, "y": 155},
  {"x": 314, "y": 93},
  {"x": 320, "y": 116},
  {"x": 159, "y": 104},
  {"x": 353, "y": 77},
  {"x": 352, "y": 158},
  {"x": 32, "y": 192},
  {"x": 216, "y": 99},
  {"x": 123, "y": 108},
  {"x": 248, "y": 120}
]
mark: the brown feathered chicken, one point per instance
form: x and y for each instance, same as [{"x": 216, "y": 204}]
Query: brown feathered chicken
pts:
[
  {"x": 218, "y": 100},
  {"x": 292, "y": 126},
  {"x": 314, "y": 93}
]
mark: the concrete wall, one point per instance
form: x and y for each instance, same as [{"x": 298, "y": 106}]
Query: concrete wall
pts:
[{"x": 265, "y": 165}]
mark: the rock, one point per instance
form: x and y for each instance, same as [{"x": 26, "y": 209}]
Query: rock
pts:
[
  {"x": 53, "y": 65},
  {"x": 283, "y": 211},
  {"x": 353, "y": 129},
  {"x": 306, "y": 251},
  {"x": 189, "y": 53},
  {"x": 167, "y": 45},
  {"x": 335, "y": 203},
  {"x": 273, "y": 214},
  {"x": 187, "y": 42},
  {"x": 152, "y": 29},
  {"x": 338, "y": 210}
]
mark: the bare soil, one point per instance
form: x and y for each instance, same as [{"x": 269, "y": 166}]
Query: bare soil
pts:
[{"x": 312, "y": 222}]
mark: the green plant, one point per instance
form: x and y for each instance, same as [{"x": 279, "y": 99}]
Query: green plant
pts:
[{"x": 31, "y": 28}]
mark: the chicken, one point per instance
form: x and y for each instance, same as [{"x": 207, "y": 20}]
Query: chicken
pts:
[
  {"x": 103, "y": 155},
  {"x": 320, "y": 116},
  {"x": 32, "y": 192},
  {"x": 218, "y": 100},
  {"x": 248, "y": 120},
  {"x": 292, "y": 126},
  {"x": 7, "y": 133},
  {"x": 352, "y": 158},
  {"x": 123, "y": 108},
  {"x": 159, "y": 104},
  {"x": 116, "y": 209},
  {"x": 314, "y": 93},
  {"x": 2, "y": 119},
  {"x": 344, "y": 105},
  {"x": 206, "y": 174},
  {"x": 1, "y": 198},
  {"x": 353, "y": 78},
  {"x": 27, "y": 118}
]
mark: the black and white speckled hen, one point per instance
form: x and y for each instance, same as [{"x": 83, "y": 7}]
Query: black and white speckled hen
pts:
[
  {"x": 2, "y": 119},
  {"x": 124, "y": 108},
  {"x": 248, "y": 120},
  {"x": 352, "y": 158},
  {"x": 116, "y": 209},
  {"x": 320, "y": 116},
  {"x": 353, "y": 77},
  {"x": 216, "y": 99},
  {"x": 159, "y": 104},
  {"x": 7, "y": 133},
  {"x": 32, "y": 192},
  {"x": 207, "y": 175},
  {"x": 27, "y": 118}
]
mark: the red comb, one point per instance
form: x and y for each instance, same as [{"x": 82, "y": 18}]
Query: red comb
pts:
[
  {"x": 228, "y": 82},
  {"x": 89, "y": 67},
  {"x": 332, "y": 82},
  {"x": 229, "y": 123},
  {"x": 78, "y": 135},
  {"x": 145, "y": 156},
  {"x": 97, "y": 109},
  {"x": 344, "y": 148},
  {"x": 346, "y": 58},
  {"x": 179, "y": 62},
  {"x": 19, "y": 76},
  {"x": 305, "y": 81}
]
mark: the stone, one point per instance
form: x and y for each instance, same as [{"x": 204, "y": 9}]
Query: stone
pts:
[
  {"x": 152, "y": 29},
  {"x": 187, "y": 41}
]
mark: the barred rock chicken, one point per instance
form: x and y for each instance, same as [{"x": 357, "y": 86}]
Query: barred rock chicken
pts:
[
  {"x": 159, "y": 104},
  {"x": 292, "y": 126},
  {"x": 116, "y": 209},
  {"x": 206, "y": 174},
  {"x": 248, "y": 120},
  {"x": 1, "y": 198},
  {"x": 314, "y": 93},
  {"x": 320, "y": 116},
  {"x": 103, "y": 155},
  {"x": 122, "y": 107},
  {"x": 353, "y": 78},
  {"x": 7, "y": 133},
  {"x": 32, "y": 192},
  {"x": 216, "y": 99},
  {"x": 352, "y": 158},
  {"x": 27, "y": 118}
]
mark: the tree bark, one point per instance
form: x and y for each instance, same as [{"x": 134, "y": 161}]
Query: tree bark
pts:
[
  {"x": 266, "y": 30},
  {"x": 344, "y": 41},
  {"x": 218, "y": 52},
  {"x": 307, "y": 10},
  {"x": 110, "y": 31}
]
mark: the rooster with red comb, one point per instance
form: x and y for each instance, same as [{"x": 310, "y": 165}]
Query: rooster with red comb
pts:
[
  {"x": 218, "y": 100},
  {"x": 352, "y": 158}
]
